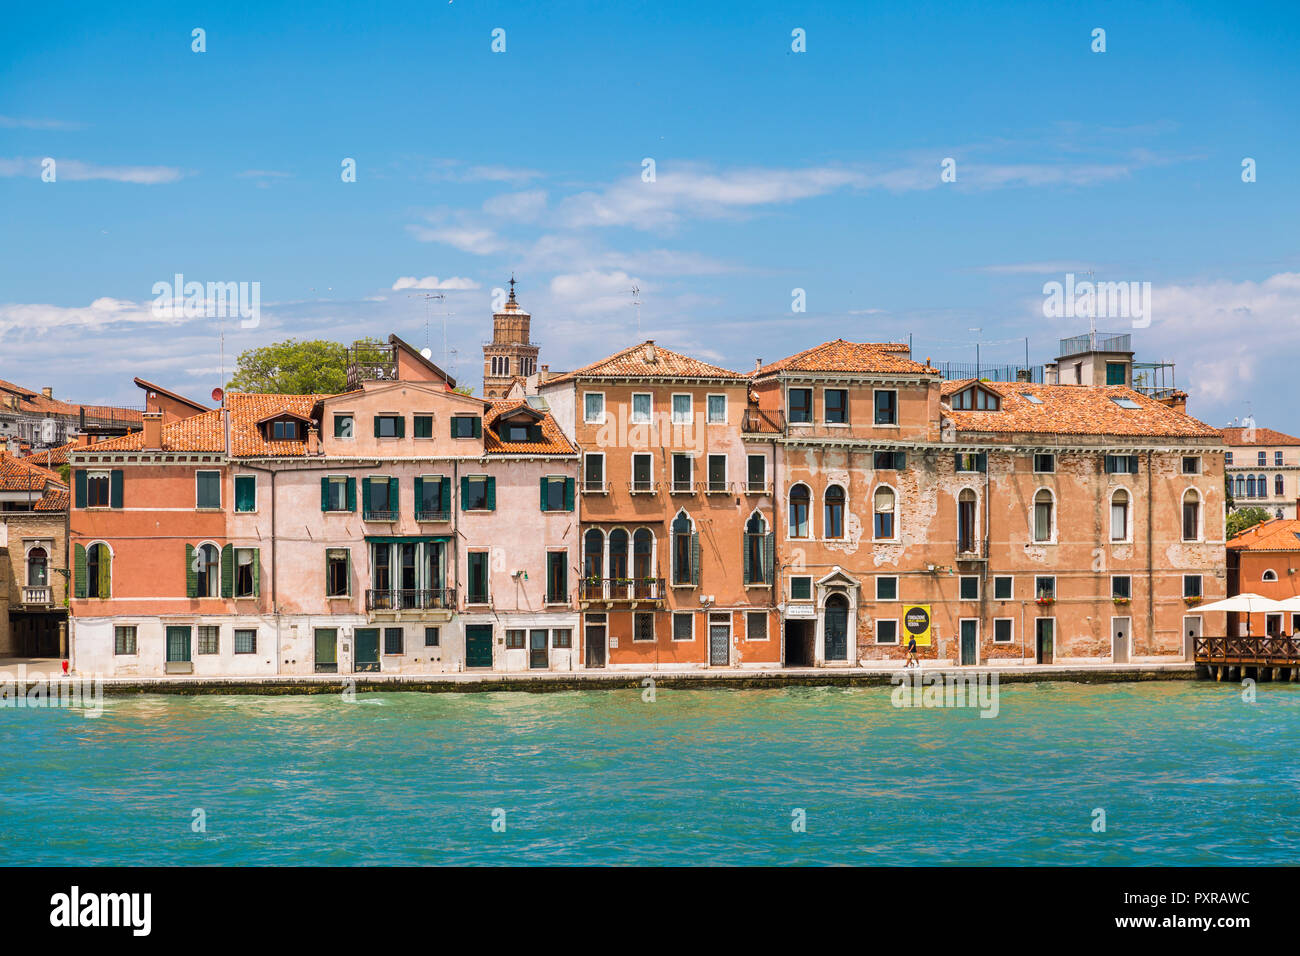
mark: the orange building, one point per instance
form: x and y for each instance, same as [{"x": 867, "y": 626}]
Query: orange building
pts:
[{"x": 1265, "y": 560}]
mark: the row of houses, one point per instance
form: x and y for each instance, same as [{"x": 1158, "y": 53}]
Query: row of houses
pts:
[{"x": 649, "y": 510}]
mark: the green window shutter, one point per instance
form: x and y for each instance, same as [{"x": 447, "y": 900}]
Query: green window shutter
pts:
[
  {"x": 325, "y": 494},
  {"x": 393, "y": 504},
  {"x": 228, "y": 571},
  {"x": 695, "y": 557},
  {"x": 568, "y": 494},
  {"x": 105, "y": 572},
  {"x": 744, "y": 550},
  {"x": 79, "y": 570},
  {"x": 376, "y": 426},
  {"x": 115, "y": 488},
  {"x": 769, "y": 557},
  {"x": 352, "y": 494},
  {"x": 401, "y": 426},
  {"x": 543, "y": 484},
  {"x": 464, "y": 492},
  {"x": 79, "y": 480},
  {"x": 191, "y": 576},
  {"x": 419, "y": 493},
  {"x": 491, "y": 493},
  {"x": 445, "y": 486},
  {"x": 476, "y": 427},
  {"x": 365, "y": 494},
  {"x": 257, "y": 571}
]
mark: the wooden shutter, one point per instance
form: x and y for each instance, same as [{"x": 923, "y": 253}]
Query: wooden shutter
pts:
[
  {"x": 444, "y": 485},
  {"x": 191, "y": 575},
  {"x": 769, "y": 557},
  {"x": 400, "y": 431},
  {"x": 105, "y": 572},
  {"x": 115, "y": 488},
  {"x": 257, "y": 571},
  {"x": 352, "y": 494},
  {"x": 419, "y": 494},
  {"x": 325, "y": 494},
  {"x": 393, "y": 504},
  {"x": 464, "y": 492},
  {"x": 568, "y": 494},
  {"x": 79, "y": 570},
  {"x": 542, "y": 481},
  {"x": 365, "y": 494},
  {"x": 695, "y": 557},
  {"x": 376, "y": 426},
  {"x": 476, "y": 427},
  {"x": 744, "y": 553},
  {"x": 79, "y": 481},
  {"x": 491, "y": 493},
  {"x": 228, "y": 571}
]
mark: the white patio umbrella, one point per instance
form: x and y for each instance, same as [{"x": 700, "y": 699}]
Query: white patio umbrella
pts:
[{"x": 1246, "y": 603}]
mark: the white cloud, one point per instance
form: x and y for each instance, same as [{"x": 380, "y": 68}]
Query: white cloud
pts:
[
  {"x": 433, "y": 282},
  {"x": 594, "y": 291},
  {"x": 520, "y": 207},
  {"x": 465, "y": 238},
  {"x": 19, "y": 122},
  {"x": 74, "y": 170},
  {"x": 101, "y": 312}
]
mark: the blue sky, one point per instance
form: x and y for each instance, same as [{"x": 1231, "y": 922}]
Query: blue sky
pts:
[{"x": 775, "y": 170}]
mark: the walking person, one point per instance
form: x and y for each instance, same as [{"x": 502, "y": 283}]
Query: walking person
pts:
[{"x": 911, "y": 652}]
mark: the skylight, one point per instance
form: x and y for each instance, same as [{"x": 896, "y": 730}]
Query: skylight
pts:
[
  {"x": 1032, "y": 399},
  {"x": 1125, "y": 402}
]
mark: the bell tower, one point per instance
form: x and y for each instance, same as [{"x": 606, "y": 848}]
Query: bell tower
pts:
[{"x": 510, "y": 356}]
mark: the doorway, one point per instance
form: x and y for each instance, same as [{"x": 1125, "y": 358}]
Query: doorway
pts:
[
  {"x": 970, "y": 640},
  {"x": 595, "y": 645},
  {"x": 719, "y": 640},
  {"x": 1045, "y": 640},
  {"x": 1121, "y": 636},
  {"x": 836, "y": 621},
  {"x": 538, "y": 658},
  {"x": 366, "y": 657},
  {"x": 327, "y": 650},
  {"x": 799, "y": 639},
  {"x": 478, "y": 645},
  {"x": 1191, "y": 633}
]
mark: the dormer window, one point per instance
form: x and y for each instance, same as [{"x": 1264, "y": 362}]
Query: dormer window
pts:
[
  {"x": 976, "y": 399},
  {"x": 521, "y": 432},
  {"x": 283, "y": 427},
  {"x": 284, "y": 431}
]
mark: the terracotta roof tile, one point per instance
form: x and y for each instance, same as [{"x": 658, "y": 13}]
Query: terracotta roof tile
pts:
[
  {"x": 843, "y": 356},
  {"x": 33, "y": 402},
  {"x": 18, "y": 474},
  {"x": 1073, "y": 410},
  {"x": 249, "y": 408},
  {"x": 54, "y": 499},
  {"x": 203, "y": 432},
  {"x": 553, "y": 441},
  {"x": 51, "y": 457},
  {"x": 647, "y": 360},
  {"x": 1277, "y": 534},
  {"x": 1262, "y": 436}
]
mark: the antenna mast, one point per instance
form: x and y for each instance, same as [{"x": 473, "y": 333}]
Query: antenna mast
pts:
[
  {"x": 636, "y": 302},
  {"x": 428, "y": 298}
]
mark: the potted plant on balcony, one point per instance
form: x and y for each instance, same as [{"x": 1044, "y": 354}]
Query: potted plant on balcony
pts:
[
  {"x": 1044, "y": 598},
  {"x": 1120, "y": 601},
  {"x": 1191, "y": 600}
]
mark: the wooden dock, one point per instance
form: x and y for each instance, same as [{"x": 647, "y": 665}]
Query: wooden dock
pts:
[{"x": 1265, "y": 658}]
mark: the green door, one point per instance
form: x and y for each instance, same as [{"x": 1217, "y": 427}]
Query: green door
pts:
[
  {"x": 969, "y": 641},
  {"x": 478, "y": 645},
  {"x": 327, "y": 647},
  {"x": 178, "y": 644},
  {"x": 367, "y": 655}
]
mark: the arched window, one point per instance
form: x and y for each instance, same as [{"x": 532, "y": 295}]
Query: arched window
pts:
[
  {"x": 38, "y": 568},
  {"x": 1269, "y": 575},
  {"x": 966, "y": 511},
  {"x": 1044, "y": 509},
  {"x": 207, "y": 567},
  {"x": 757, "y": 557},
  {"x": 643, "y": 563},
  {"x": 1119, "y": 515},
  {"x": 618, "y": 542},
  {"x": 1191, "y": 515},
  {"x": 1250, "y": 486},
  {"x": 800, "y": 500},
  {"x": 834, "y": 527},
  {"x": 99, "y": 571},
  {"x": 1240, "y": 491},
  {"x": 1279, "y": 486},
  {"x": 593, "y": 563},
  {"x": 883, "y": 519},
  {"x": 685, "y": 550}
]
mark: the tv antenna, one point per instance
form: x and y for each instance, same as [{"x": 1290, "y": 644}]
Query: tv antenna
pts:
[
  {"x": 428, "y": 298},
  {"x": 636, "y": 303}
]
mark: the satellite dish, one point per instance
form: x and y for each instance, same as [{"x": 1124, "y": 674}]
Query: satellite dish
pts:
[
  {"x": 427, "y": 353},
  {"x": 217, "y": 394}
]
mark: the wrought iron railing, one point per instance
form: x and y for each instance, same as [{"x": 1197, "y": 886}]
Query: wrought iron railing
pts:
[
  {"x": 622, "y": 589},
  {"x": 410, "y": 600},
  {"x": 369, "y": 515},
  {"x": 433, "y": 516}
]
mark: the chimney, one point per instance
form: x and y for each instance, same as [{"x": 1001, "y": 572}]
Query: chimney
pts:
[
  {"x": 313, "y": 440},
  {"x": 1022, "y": 375},
  {"x": 152, "y": 431},
  {"x": 758, "y": 364},
  {"x": 47, "y": 392},
  {"x": 650, "y": 351}
]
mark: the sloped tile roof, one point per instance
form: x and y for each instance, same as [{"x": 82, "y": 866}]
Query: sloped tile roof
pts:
[
  {"x": 33, "y": 402},
  {"x": 1263, "y": 436},
  {"x": 553, "y": 441},
  {"x": 647, "y": 360},
  {"x": 843, "y": 356},
  {"x": 1074, "y": 410},
  {"x": 51, "y": 457},
  {"x": 18, "y": 474},
  {"x": 249, "y": 408},
  {"x": 1277, "y": 534},
  {"x": 54, "y": 499},
  {"x": 203, "y": 432}
]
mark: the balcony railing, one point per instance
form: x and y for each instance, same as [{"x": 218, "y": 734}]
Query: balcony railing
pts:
[
  {"x": 1267, "y": 649},
  {"x": 758, "y": 488},
  {"x": 40, "y": 594},
  {"x": 1096, "y": 342},
  {"x": 643, "y": 487},
  {"x": 369, "y": 515},
  {"x": 681, "y": 487},
  {"x": 764, "y": 420},
  {"x": 714, "y": 487},
  {"x": 408, "y": 600},
  {"x": 622, "y": 589},
  {"x": 433, "y": 516},
  {"x": 594, "y": 488}
]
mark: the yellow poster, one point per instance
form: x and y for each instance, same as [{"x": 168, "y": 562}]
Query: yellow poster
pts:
[{"x": 916, "y": 623}]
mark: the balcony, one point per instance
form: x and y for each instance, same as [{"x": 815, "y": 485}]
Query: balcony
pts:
[
  {"x": 371, "y": 363},
  {"x": 433, "y": 516},
  {"x": 643, "y": 487},
  {"x": 769, "y": 421},
  {"x": 41, "y": 595},
  {"x": 681, "y": 487},
  {"x": 1096, "y": 342},
  {"x": 758, "y": 488},
  {"x": 438, "y": 599},
  {"x": 594, "y": 488},
  {"x": 369, "y": 515},
  {"x": 631, "y": 591},
  {"x": 714, "y": 487}
]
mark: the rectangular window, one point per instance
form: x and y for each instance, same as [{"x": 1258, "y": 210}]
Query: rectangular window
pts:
[
  {"x": 1044, "y": 464},
  {"x": 124, "y": 639},
  {"x": 835, "y": 406},
  {"x": 683, "y": 472},
  {"x": 432, "y": 636},
  {"x": 886, "y": 407},
  {"x": 554, "y": 497},
  {"x": 640, "y": 408},
  {"x": 1191, "y": 585},
  {"x": 756, "y": 625},
  {"x": 1191, "y": 520},
  {"x": 342, "y": 426},
  {"x": 800, "y": 406},
  {"x": 245, "y": 493},
  {"x": 1121, "y": 586},
  {"x": 1002, "y": 588},
  {"x": 466, "y": 426},
  {"x": 972, "y": 461},
  {"x": 1227, "y": 458},
  {"x": 643, "y": 626},
  {"x": 1277, "y": 459},
  {"x": 801, "y": 588},
  {"x": 477, "y": 586},
  {"x": 516, "y": 640},
  {"x": 178, "y": 643},
  {"x": 593, "y": 408},
  {"x": 717, "y": 414},
  {"x": 336, "y": 493},
  {"x": 337, "y": 576},
  {"x": 284, "y": 431},
  {"x": 245, "y": 641},
  {"x": 1192, "y": 465},
  {"x": 561, "y": 637},
  {"x": 683, "y": 627},
  {"x": 683, "y": 409},
  {"x": 557, "y": 577},
  {"x": 889, "y": 460},
  {"x": 97, "y": 489},
  {"x": 757, "y": 473},
  {"x": 246, "y": 572},
  {"x": 887, "y": 631},
  {"x": 886, "y": 588},
  {"x": 432, "y": 489},
  {"x": 1115, "y": 373},
  {"x": 379, "y": 500},
  {"x": 1263, "y": 457},
  {"x": 642, "y": 472},
  {"x": 1003, "y": 630},
  {"x": 1121, "y": 464},
  {"x": 389, "y": 426},
  {"x": 593, "y": 472},
  {"x": 969, "y": 587},
  {"x": 393, "y": 640},
  {"x": 717, "y": 473},
  {"x": 474, "y": 492},
  {"x": 207, "y": 489},
  {"x": 422, "y": 426},
  {"x": 1044, "y": 588},
  {"x": 208, "y": 640}
]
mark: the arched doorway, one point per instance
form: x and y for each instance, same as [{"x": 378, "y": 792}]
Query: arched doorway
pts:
[{"x": 835, "y": 619}]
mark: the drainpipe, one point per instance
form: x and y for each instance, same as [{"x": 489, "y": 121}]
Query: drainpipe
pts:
[{"x": 1151, "y": 593}]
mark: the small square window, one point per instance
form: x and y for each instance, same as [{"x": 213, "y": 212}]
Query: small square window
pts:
[
  {"x": 393, "y": 640},
  {"x": 1191, "y": 465},
  {"x": 389, "y": 426},
  {"x": 801, "y": 588},
  {"x": 342, "y": 426},
  {"x": 1003, "y": 630},
  {"x": 124, "y": 639},
  {"x": 717, "y": 410},
  {"x": 1045, "y": 588},
  {"x": 887, "y": 632},
  {"x": 683, "y": 627},
  {"x": 756, "y": 626},
  {"x": 886, "y": 589},
  {"x": 562, "y": 637},
  {"x": 515, "y": 639},
  {"x": 593, "y": 408},
  {"x": 245, "y": 641},
  {"x": 969, "y": 587},
  {"x": 1121, "y": 586},
  {"x": 432, "y": 636},
  {"x": 208, "y": 639},
  {"x": 422, "y": 426},
  {"x": 1002, "y": 588},
  {"x": 1191, "y": 585},
  {"x": 1044, "y": 464},
  {"x": 466, "y": 426},
  {"x": 643, "y": 626}
]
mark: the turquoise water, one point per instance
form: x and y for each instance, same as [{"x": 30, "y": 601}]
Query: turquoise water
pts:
[{"x": 1187, "y": 773}]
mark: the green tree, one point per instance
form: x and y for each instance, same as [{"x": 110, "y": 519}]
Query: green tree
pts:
[
  {"x": 293, "y": 367},
  {"x": 1243, "y": 519}
]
